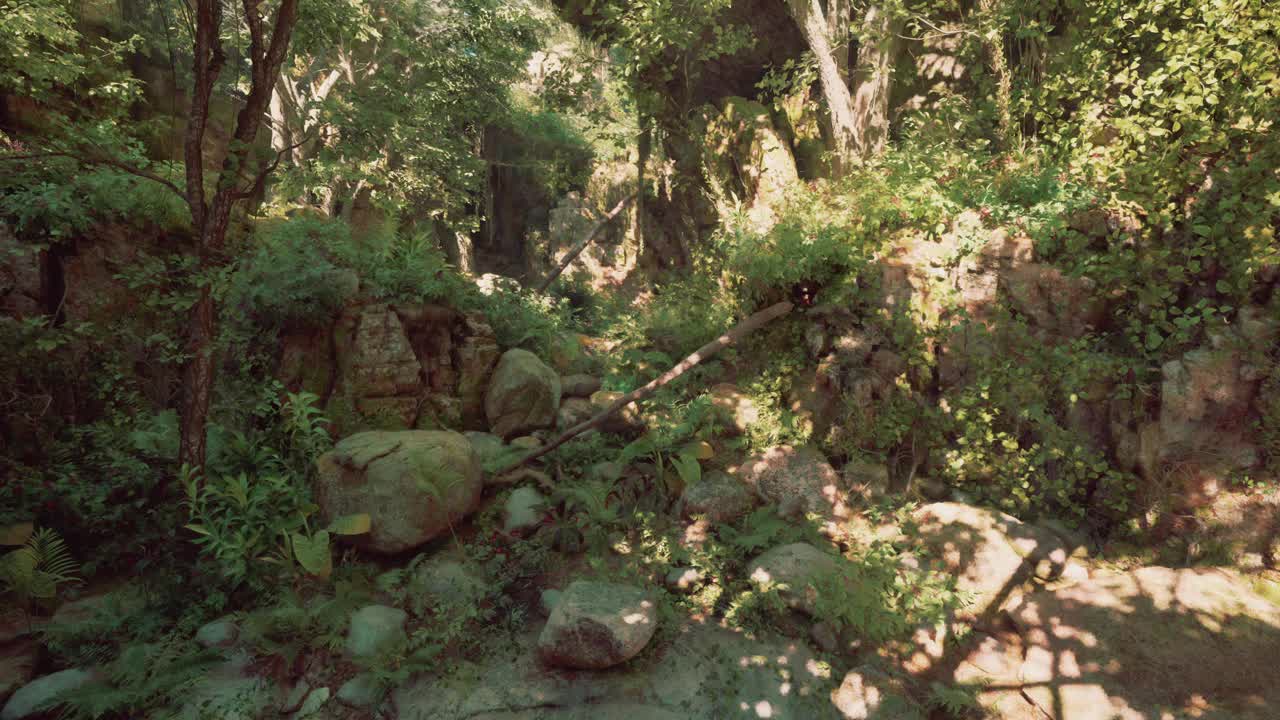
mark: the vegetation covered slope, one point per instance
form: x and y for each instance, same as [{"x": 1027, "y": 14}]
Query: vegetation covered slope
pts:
[{"x": 285, "y": 347}]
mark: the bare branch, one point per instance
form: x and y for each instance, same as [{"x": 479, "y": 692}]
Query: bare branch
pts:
[{"x": 117, "y": 164}]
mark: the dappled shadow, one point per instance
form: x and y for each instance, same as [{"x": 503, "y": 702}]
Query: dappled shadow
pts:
[{"x": 1152, "y": 644}]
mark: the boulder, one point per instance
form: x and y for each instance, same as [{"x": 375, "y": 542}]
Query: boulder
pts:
[
  {"x": 414, "y": 484},
  {"x": 379, "y": 375},
  {"x": 43, "y": 693},
  {"x": 220, "y": 633},
  {"x": 375, "y": 629},
  {"x": 523, "y": 511},
  {"x": 596, "y": 625},
  {"x": 991, "y": 554},
  {"x": 579, "y": 386},
  {"x": 17, "y": 666},
  {"x": 362, "y": 691},
  {"x": 793, "y": 570},
  {"x": 719, "y": 497},
  {"x": 523, "y": 395},
  {"x": 797, "y": 480},
  {"x": 489, "y": 447}
]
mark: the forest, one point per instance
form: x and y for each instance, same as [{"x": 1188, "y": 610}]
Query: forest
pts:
[{"x": 639, "y": 359}]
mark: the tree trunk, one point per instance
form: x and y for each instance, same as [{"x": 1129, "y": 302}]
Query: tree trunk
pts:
[
  {"x": 874, "y": 73},
  {"x": 814, "y": 26},
  {"x": 210, "y": 218},
  {"x": 197, "y": 382}
]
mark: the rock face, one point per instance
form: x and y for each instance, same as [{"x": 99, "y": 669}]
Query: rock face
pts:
[
  {"x": 719, "y": 497},
  {"x": 523, "y": 395},
  {"x": 43, "y": 693},
  {"x": 17, "y": 666},
  {"x": 990, "y": 553},
  {"x": 748, "y": 160},
  {"x": 1117, "y": 646},
  {"x": 798, "y": 567},
  {"x": 596, "y": 625},
  {"x": 797, "y": 480},
  {"x": 414, "y": 484}
]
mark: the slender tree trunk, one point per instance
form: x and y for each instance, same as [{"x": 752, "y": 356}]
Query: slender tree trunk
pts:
[
  {"x": 873, "y": 74},
  {"x": 210, "y": 218},
  {"x": 814, "y": 26}
]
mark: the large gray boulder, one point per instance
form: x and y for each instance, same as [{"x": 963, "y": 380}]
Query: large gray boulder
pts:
[
  {"x": 596, "y": 625},
  {"x": 44, "y": 693},
  {"x": 414, "y": 484},
  {"x": 523, "y": 395}
]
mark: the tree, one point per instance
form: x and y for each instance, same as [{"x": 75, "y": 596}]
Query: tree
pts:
[{"x": 268, "y": 43}]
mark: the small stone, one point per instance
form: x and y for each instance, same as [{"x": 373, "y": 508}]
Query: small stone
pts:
[
  {"x": 579, "y": 386},
  {"x": 219, "y": 633},
  {"x": 932, "y": 489},
  {"x": 375, "y": 629},
  {"x": 527, "y": 443},
  {"x": 548, "y": 600},
  {"x": 523, "y": 511},
  {"x": 443, "y": 580},
  {"x": 43, "y": 693},
  {"x": 684, "y": 580},
  {"x": 361, "y": 691}
]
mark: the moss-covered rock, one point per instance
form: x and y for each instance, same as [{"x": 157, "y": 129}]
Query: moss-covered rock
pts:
[{"x": 414, "y": 484}]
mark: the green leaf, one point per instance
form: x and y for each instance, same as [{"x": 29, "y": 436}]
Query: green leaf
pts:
[
  {"x": 313, "y": 553},
  {"x": 357, "y": 524},
  {"x": 198, "y": 529}
]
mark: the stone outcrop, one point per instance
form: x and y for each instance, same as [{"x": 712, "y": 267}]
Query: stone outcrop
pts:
[
  {"x": 382, "y": 366},
  {"x": 747, "y": 159},
  {"x": 414, "y": 484}
]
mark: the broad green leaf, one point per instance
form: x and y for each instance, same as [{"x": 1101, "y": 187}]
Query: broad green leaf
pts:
[{"x": 312, "y": 553}]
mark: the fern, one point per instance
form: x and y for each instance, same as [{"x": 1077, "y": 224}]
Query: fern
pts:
[{"x": 36, "y": 570}]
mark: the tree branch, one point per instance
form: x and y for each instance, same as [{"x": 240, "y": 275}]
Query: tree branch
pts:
[
  {"x": 585, "y": 241},
  {"x": 739, "y": 331},
  {"x": 117, "y": 164}
]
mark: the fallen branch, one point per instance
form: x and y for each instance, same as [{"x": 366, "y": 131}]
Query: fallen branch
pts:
[
  {"x": 576, "y": 250},
  {"x": 739, "y": 331}
]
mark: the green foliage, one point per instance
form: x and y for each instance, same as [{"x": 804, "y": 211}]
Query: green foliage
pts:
[
  {"x": 35, "y": 571},
  {"x": 288, "y": 276},
  {"x": 871, "y": 597}
]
